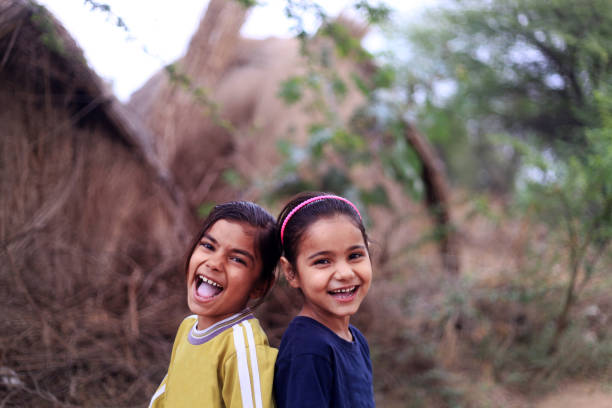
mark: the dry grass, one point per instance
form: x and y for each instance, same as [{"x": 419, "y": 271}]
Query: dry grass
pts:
[{"x": 89, "y": 243}]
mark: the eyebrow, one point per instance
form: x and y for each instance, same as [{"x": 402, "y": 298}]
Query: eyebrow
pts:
[
  {"x": 210, "y": 238},
  {"x": 352, "y": 248},
  {"x": 235, "y": 250}
]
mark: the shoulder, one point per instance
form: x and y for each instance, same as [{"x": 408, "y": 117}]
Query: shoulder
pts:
[
  {"x": 247, "y": 335},
  {"x": 248, "y": 332},
  {"x": 305, "y": 336},
  {"x": 253, "y": 328},
  {"x": 245, "y": 345},
  {"x": 360, "y": 340},
  {"x": 359, "y": 337},
  {"x": 188, "y": 321},
  {"x": 185, "y": 327},
  {"x": 304, "y": 330}
]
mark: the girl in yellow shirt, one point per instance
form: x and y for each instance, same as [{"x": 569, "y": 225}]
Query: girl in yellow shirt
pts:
[{"x": 221, "y": 356}]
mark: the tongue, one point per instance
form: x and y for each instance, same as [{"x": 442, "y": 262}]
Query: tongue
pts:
[{"x": 207, "y": 290}]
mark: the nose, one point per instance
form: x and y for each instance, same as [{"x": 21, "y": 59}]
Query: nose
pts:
[
  {"x": 214, "y": 261},
  {"x": 344, "y": 271}
]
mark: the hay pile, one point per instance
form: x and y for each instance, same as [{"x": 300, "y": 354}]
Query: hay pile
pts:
[{"x": 90, "y": 229}]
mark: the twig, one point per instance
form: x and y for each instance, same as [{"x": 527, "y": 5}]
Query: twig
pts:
[{"x": 11, "y": 44}]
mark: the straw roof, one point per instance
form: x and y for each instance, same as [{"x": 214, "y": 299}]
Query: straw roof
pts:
[
  {"x": 92, "y": 228},
  {"x": 22, "y": 22}
]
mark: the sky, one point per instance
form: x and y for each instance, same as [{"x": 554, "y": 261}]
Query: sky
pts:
[{"x": 159, "y": 32}]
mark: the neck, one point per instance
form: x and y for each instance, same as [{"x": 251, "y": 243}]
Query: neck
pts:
[{"x": 340, "y": 326}]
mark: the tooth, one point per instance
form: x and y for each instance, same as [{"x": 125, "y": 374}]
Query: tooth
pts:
[{"x": 210, "y": 282}]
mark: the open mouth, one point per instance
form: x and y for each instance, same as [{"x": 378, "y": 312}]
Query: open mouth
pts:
[
  {"x": 206, "y": 287},
  {"x": 344, "y": 293}
]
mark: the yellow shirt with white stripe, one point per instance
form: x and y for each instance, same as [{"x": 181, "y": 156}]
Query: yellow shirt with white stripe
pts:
[{"x": 229, "y": 364}]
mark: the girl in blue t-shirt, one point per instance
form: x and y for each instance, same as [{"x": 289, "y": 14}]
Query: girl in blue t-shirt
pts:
[{"x": 323, "y": 360}]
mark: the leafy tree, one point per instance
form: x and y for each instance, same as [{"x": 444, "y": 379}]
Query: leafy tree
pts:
[
  {"x": 537, "y": 74},
  {"x": 574, "y": 198},
  {"x": 527, "y": 68}
]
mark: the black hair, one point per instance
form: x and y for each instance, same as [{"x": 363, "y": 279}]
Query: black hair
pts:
[
  {"x": 309, "y": 214},
  {"x": 266, "y": 238}
]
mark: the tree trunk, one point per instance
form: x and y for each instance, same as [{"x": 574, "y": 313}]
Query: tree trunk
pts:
[
  {"x": 214, "y": 43},
  {"x": 183, "y": 108},
  {"x": 437, "y": 198}
]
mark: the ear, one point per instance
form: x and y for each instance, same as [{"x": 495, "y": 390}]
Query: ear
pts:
[
  {"x": 289, "y": 272},
  {"x": 261, "y": 288}
]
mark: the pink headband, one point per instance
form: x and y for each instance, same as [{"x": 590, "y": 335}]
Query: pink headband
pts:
[{"x": 312, "y": 200}]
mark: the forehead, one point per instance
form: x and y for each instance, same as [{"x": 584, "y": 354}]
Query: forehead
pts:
[
  {"x": 338, "y": 231},
  {"x": 234, "y": 234}
]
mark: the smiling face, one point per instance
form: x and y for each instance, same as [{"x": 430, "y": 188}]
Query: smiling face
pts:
[
  {"x": 223, "y": 272},
  {"x": 334, "y": 272}
]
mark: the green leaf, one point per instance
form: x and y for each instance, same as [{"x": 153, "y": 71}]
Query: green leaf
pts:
[
  {"x": 339, "y": 87},
  {"x": 247, "y": 3},
  {"x": 205, "y": 208},
  {"x": 384, "y": 77},
  {"x": 375, "y": 196},
  {"x": 335, "y": 179},
  {"x": 360, "y": 83},
  {"x": 233, "y": 178},
  {"x": 375, "y": 14},
  {"x": 291, "y": 90}
]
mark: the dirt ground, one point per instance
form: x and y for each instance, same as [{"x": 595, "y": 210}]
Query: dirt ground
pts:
[{"x": 589, "y": 395}]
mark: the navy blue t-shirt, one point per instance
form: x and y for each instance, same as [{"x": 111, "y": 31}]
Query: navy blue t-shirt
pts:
[{"x": 317, "y": 368}]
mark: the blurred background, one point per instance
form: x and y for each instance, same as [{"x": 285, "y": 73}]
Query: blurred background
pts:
[{"x": 475, "y": 135}]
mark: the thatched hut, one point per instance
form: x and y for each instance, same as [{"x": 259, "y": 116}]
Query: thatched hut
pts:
[{"x": 90, "y": 225}]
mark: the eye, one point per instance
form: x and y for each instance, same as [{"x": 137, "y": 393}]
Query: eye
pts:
[
  {"x": 207, "y": 245},
  {"x": 356, "y": 255},
  {"x": 238, "y": 259},
  {"x": 321, "y": 261}
]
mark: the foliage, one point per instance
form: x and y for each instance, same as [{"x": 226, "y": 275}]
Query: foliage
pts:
[
  {"x": 247, "y": 3},
  {"x": 49, "y": 36},
  {"x": 524, "y": 67},
  {"x": 337, "y": 150},
  {"x": 334, "y": 148},
  {"x": 200, "y": 95},
  {"x": 511, "y": 328},
  {"x": 106, "y": 9},
  {"x": 575, "y": 198}
]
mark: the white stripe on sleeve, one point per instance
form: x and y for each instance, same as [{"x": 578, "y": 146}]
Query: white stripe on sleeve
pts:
[
  {"x": 157, "y": 394},
  {"x": 254, "y": 366},
  {"x": 243, "y": 368}
]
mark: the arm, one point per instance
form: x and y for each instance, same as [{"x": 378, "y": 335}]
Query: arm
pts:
[
  {"x": 303, "y": 381},
  {"x": 159, "y": 398},
  {"x": 157, "y": 401}
]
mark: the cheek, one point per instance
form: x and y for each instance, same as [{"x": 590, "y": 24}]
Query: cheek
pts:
[
  {"x": 316, "y": 282},
  {"x": 192, "y": 264},
  {"x": 367, "y": 275}
]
